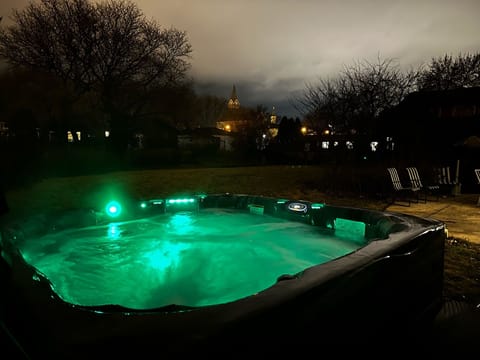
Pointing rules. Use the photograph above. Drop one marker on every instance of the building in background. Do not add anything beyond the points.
(236, 118)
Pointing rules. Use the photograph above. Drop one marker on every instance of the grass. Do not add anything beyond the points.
(462, 270)
(314, 183)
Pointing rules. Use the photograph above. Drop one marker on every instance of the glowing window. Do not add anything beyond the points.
(325, 144)
(390, 144)
(107, 133)
(79, 135)
(349, 145)
(69, 136)
(374, 146)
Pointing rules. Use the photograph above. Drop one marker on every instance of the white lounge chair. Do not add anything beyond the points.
(443, 179)
(416, 182)
(406, 192)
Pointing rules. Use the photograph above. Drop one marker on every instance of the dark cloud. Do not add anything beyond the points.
(271, 48)
(252, 93)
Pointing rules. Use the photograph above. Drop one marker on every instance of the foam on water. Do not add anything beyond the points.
(192, 258)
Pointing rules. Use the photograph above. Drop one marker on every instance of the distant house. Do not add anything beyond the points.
(205, 138)
(153, 133)
(235, 118)
(433, 121)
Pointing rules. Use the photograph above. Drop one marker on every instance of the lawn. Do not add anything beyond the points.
(318, 184)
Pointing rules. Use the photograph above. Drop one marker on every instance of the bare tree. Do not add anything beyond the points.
(108, 48)
(356, 98)
(446, 72)
(321, 104)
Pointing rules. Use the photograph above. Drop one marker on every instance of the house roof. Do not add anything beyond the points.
(445, 97)
(421, 103)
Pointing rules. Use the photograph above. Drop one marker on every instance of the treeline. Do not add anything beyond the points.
(76, 65)
(356, 99)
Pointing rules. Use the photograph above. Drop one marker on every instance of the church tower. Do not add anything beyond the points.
(235, 118)
(233, 102)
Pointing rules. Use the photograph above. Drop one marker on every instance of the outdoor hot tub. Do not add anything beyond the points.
(217, 272)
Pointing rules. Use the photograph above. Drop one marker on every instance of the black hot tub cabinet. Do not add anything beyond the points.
(388, 287)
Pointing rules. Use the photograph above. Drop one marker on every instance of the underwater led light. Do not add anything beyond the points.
(113, 209)
(182, 204)
(152, 205)
(152, 202)
(181, 201)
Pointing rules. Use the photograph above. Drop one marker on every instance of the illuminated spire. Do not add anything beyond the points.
(273, 116)
(233, 102)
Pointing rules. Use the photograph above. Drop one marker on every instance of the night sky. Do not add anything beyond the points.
(271, 48)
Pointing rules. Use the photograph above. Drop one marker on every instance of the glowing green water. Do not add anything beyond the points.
(193, 259)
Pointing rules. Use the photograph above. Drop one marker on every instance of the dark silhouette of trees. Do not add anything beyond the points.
(447, 72)
(289, 130)
(175, 105)
(108, 49)
(255, 133)
(47, 97)
(355, 99)
(209, 109)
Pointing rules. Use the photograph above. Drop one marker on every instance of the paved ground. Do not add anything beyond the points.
(457, 326)
(460, 213)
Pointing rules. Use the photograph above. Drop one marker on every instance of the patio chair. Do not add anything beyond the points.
(416, 182)
(399, 190)
(477, 174)
(443, 179)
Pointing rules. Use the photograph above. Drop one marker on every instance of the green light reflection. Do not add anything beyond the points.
(167, 256)
(113, 231)
(190, 258)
